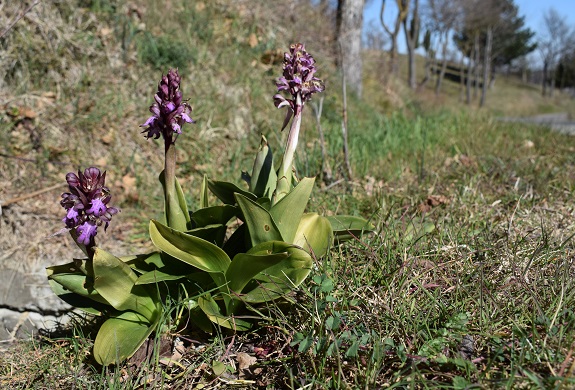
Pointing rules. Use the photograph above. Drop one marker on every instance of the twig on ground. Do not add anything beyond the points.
(17, 18)
(29, 195)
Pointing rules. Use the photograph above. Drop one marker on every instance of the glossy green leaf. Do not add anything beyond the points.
(288, 211)
(179, 217)
(236, 243)
(115, 281)
(282, 277)
(189, 249)
(417, 230)
(157, 276)
(225, 191)
(212, 311)
(263, 177)
(346, 227)
(314, 234)
(214, 215)
(201, 320)
(144, 262)
(121, 336)
(204, 193)
(245, 266)
(77, 301)
(260, 223)
(80, 284)
(212, 233)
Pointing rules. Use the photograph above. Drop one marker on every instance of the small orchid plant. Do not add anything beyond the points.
(255, 246)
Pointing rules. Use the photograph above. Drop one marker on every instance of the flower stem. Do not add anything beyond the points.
(286, 167)
(174, 214)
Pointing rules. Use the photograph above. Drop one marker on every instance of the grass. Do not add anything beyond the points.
(468, 283)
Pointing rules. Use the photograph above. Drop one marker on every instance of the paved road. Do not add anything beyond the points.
(560, 122)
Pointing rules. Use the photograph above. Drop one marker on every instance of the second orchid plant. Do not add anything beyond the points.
(268, 253)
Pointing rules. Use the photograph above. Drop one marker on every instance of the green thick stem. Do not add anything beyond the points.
(286, 167)
(174, 215)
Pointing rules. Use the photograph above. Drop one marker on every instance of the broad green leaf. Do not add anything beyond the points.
(178, 216)
(245, 266)
(120, 337)
(289, 210)
(77, 301)
(214, 215)
(157, 276)
(201, 320)
(282, 277)
(144, 262)
(225, 191)
(204, 193)
(115, 281)
(237, 242)
(260, 224)
(346, 227)
(212, 310)
(266, 203)
(218, 367)
(182, 202)
(80, 284)
(416, 230)
(263, 178)
(212, 233)
(314, 234)
(189, 249)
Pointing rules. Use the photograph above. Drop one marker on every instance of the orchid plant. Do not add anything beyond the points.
(270, 250)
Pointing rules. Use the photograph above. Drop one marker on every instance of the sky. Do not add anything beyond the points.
(533, 11)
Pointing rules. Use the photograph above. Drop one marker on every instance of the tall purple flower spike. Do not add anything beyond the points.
(169, 112)
(298, 78)
(87, 204)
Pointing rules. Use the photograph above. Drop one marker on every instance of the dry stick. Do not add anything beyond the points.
(325, 168)
(10, 25)
(30, 195)
(344, 129)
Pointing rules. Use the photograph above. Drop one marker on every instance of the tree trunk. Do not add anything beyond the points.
(461, 79)
(544, 76)
(443, 64)
(552, 83)
(402, 14)
(469, 74)
(350, 23)
(411, 37)
(486, 65)
(476, 66)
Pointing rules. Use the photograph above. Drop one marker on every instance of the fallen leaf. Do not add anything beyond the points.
(245, 360)
(108, 137)
(253, 40)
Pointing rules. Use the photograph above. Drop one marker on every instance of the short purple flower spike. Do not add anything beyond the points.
(169, 112)
(298, 79)
(87, 204)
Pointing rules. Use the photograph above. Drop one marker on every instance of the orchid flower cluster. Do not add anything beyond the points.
(87, 204)
(221, 275)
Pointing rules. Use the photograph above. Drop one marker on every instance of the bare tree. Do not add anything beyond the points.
(411, 38)
(442, 15)
(552, 45)
(349, 26)
(402, 6)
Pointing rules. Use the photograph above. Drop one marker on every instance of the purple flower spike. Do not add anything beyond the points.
(169, 112)
(87, 204)
(298, 79)
(86, 232)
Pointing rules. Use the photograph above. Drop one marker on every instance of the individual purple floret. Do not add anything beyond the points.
(87, 204)
(169, 112)
(298, 79)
